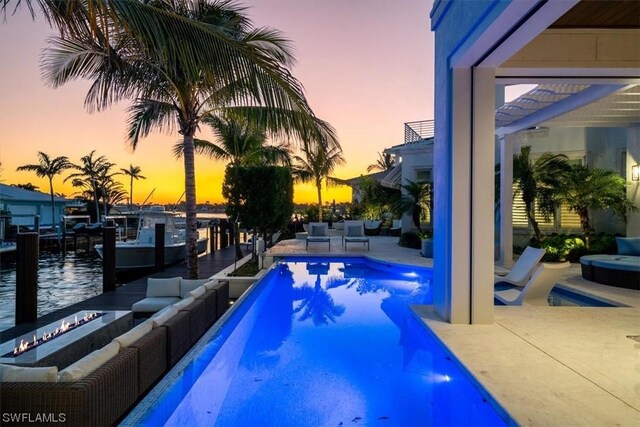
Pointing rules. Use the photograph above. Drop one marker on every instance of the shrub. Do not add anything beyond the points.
(411, 240)
(570, 247)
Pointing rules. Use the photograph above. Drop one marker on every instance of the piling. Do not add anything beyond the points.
(108, 259)
(213, 238)
(27, 255)
(159, 247)
(224, 238)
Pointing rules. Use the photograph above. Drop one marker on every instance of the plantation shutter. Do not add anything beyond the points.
(518, 211)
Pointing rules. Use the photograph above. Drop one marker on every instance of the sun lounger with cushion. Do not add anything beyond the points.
(318, 232)
(354, 232)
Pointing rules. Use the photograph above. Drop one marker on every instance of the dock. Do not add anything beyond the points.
(126, 295)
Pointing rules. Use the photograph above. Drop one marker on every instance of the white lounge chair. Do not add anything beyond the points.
(523, 268)
(354, 232)
(318, 232)
(537, 289)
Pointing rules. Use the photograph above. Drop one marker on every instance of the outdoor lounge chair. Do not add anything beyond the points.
(318, 232)
(523, 268)
(354, 232)
(537, 289)
(396, 227)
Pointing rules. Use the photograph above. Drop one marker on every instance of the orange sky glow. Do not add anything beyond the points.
(366, 65)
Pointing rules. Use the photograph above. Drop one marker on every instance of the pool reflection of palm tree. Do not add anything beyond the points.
(316, 304)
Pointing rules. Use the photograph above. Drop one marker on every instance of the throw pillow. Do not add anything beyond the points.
(19, 374)
(628, 245)
(317, 230)
(354, 231)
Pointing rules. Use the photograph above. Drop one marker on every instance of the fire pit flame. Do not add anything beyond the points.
(63, 328)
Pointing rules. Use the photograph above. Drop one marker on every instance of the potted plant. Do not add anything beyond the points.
(426, 237)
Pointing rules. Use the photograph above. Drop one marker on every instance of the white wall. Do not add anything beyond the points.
(633, 190)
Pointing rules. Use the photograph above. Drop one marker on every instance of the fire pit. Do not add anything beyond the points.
(64, 327)
(63, 342)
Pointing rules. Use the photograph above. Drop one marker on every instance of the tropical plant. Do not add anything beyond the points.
(586, 188)
(134, 172)
(537, 184)
(239, 144)
(213, 61)
(384, 162)
(91, 176)
(266, 207)
(417, 195)
(317, 162)
(48, 167)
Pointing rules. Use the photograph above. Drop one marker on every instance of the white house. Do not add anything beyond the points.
(24, 205)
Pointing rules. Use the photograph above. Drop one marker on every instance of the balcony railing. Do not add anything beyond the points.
(418, 131)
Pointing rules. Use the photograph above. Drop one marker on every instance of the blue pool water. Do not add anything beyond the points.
(325, 343)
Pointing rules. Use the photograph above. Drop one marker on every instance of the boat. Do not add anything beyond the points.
(140, 253)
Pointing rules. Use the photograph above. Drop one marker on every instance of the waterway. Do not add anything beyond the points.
(63, 279)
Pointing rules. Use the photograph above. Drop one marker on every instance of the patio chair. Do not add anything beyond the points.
(396, 227)
(372, 227)
(318, 232)
(354, 232)
(523, 268)
(537, 289)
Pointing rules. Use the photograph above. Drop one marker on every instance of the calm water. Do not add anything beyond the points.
(325, 343)
(62, 280)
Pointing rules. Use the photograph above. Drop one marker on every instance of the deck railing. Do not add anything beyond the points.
(418, 131)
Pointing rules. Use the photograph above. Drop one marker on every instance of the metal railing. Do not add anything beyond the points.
(418, 131)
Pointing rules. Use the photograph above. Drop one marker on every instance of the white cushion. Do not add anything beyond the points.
(163, 287)
(20, 374)
(184, 303)
(161, 317)
(128, 338)
(89, 363)
(198, 292)
(211, 285)
(151, 305)
(188, 285)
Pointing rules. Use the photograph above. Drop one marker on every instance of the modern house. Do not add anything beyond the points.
(586, 54)
(24, 205)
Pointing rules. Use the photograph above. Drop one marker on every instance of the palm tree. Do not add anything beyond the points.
(28, 186)
(586, 188)
(48, 167)
(537, 183)
(417, 195)
(91, 173)
(317, 162)
(384, 162)
(225, 65)
(134, 172)
(239, 144)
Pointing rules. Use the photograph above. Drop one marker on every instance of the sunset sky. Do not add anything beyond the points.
(366, 65)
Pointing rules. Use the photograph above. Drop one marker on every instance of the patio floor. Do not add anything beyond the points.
(545, 365)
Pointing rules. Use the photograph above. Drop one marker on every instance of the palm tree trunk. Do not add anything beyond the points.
(319, 187)
(95, 200)
(586, 225)
(131, 193)
(236, 241)
(536, 228)
(53, 212)
(190, 193)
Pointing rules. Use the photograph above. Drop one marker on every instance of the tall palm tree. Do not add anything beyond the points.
(384, 162)
(28, 186)
(48, 167)
(586, 188)
(317, 162)
(91, 173)
(537, 183)
(226, 65)
(134, 172)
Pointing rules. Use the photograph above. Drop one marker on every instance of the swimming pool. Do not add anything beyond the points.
(330, 342)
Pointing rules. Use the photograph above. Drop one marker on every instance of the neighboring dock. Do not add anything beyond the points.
(124, 296)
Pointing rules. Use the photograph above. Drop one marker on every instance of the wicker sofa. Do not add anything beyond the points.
(100, 388)
(621, 270)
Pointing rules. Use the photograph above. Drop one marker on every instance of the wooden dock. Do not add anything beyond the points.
(124, 296)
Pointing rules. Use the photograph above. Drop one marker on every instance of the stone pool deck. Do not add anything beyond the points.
(544, 365)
